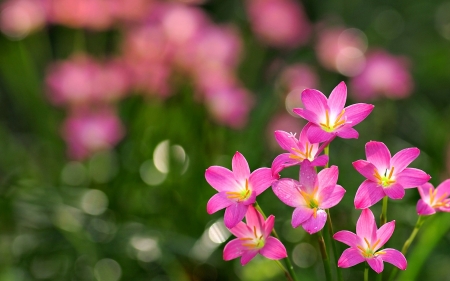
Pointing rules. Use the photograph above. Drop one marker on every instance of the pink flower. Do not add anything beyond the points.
(89, 132)
(253, 238)
(329, 117)
(434, 200)
(365, 244)
(342, 50)
(20, 17)
(237, 189)
(386, 176)
(279, 23)
(299, 150)
(311, 196)
(383, 74)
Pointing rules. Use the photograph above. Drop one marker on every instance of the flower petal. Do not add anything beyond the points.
(394, 191)
(411, 177)
(248, 256)
(307, 115)
(315, 224)
(443, 189)
(350, 257)
(394, 257)
(314, 101)
(233, 249)
(308, 176)
(286, 190)
(378, 154)
(424, 191)
(254, 219)
(331, 196)
(286, 140)
(260, 180)
(366, 169)
(240, 167)
(273, 249)
(337, 99)
(316, 134)
(404, 157)
(268, 226)
(347, 237)
(300, 215)
(221, 179)
(376, 263)
(218, 202)
(241, 230)
(384, 233)
(328, 177)
(368, 194)
(322, 160)
(234, 214)
(357, 112)
(423, 209)
(282, 161)
(366, 226)
(347, 132)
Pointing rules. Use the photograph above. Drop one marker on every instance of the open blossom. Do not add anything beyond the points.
(254, 237)
(386, 175)
(311, 196)
(237, 189)
(298, 150)
(365, 245)
(329, 117)
(434, 200)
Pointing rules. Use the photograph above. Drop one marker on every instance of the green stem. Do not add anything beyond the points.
(366, 272)
(290, 274)
(286, 273)
(333, 245)
(409, 241)
(383, 217)
(325, 258)
(327, 152)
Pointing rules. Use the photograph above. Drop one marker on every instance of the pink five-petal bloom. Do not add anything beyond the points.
(386, 176)
(237, 189)
(298, 150)
(253, 238)
(365, 244)
(434, 200)
(329, 117)
(311, 196)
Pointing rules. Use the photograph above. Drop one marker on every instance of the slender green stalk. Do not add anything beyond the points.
(286, 273)
(325, 258)
(366, 272)
(290, 273)
(383, 217)
(327, 152)
(409, 241)
(333, 245)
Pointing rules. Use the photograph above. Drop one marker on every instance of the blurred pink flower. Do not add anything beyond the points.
(341, 50)
(230, 106)
(130, 10)
(86, 132)
(282, 121)
(93, 14)
(279, 23)
(82, 80)
(295, 78)
(384, 74)
(20, 17)
(433, 200)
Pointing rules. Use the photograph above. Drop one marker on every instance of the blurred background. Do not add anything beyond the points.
(111, 110)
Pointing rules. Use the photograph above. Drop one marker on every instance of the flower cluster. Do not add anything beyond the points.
(316, 192)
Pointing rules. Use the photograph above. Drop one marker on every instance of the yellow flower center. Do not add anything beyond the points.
(302, 155)
(386, 179)
(311, 200)
(331, 126)
(439, 202)
(255, 242)
(241, 195)
(369, 252)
